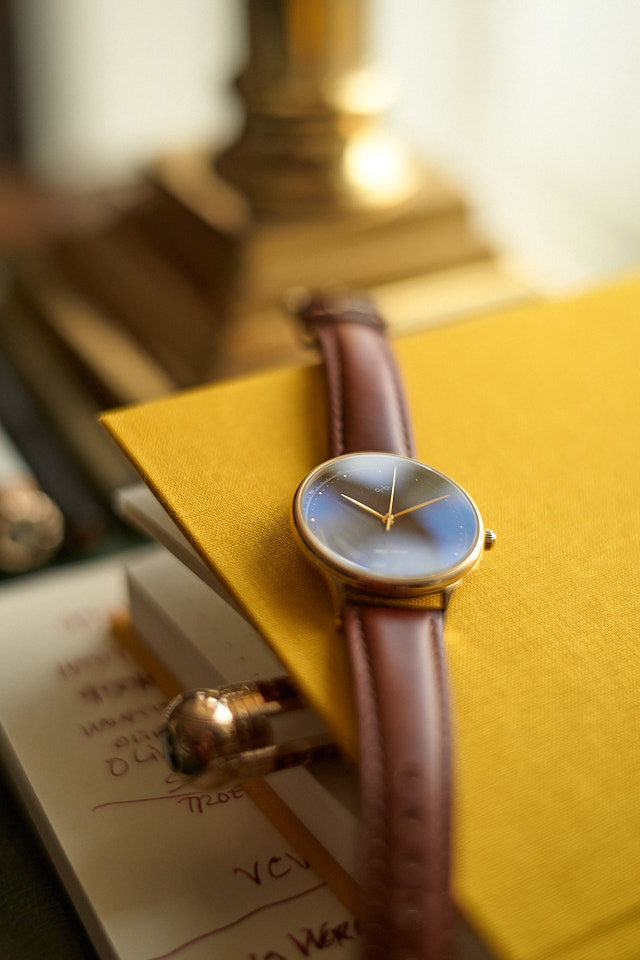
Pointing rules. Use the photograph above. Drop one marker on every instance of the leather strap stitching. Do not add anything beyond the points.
(443, 856)
(342, 332)
(335, 373)
(373, 799)
(333, 325)
(390, 845)
(400, 401)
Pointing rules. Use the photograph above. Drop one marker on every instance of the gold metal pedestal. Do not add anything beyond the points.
(189, 283)
(314, 141)
(429, 231)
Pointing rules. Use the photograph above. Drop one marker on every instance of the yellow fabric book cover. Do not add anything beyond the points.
(535, 412)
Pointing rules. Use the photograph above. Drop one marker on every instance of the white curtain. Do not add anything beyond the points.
(107, 84)
(532, 105)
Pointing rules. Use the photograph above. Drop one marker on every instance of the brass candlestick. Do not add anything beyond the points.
(315, 192)
(313, 143)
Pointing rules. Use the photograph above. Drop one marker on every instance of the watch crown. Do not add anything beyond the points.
(489, 539)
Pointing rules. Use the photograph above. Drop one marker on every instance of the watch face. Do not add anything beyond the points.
(387, 523)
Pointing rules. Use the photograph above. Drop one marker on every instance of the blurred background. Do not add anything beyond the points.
(169, 170)
(120, 284)
(530, 105)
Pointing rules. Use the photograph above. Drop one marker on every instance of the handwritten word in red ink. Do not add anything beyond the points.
(325, 937)
(274, 869)
(140, 736)
(126, 718)
(177, 784)
(199, 802)
(194, 801)
(321, 937)
(70, 669)
(116, 687)
(309, 941)
(118, 766)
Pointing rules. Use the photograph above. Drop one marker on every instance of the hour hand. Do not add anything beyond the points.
(363, 506)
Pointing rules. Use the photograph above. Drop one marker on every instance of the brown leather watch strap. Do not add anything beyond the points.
(398, 663)
(367, 406)
(399, 671)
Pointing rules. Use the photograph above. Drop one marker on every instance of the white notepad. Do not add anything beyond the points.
(155, 870)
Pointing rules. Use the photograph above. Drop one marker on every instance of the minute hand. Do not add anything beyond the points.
(426, 503)
(363, 506)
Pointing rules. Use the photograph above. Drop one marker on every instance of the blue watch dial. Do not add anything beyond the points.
(388, 521)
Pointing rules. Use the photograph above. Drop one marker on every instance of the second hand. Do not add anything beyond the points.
(388, 520)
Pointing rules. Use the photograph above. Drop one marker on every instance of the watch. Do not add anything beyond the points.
(384, 528)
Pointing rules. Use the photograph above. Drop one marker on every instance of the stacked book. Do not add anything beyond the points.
(534, 412)
(184, 627)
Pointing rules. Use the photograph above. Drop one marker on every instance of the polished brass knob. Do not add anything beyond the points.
(239, 731)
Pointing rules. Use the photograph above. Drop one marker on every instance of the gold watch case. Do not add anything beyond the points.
(388, 525)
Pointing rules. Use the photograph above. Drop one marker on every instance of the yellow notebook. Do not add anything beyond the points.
(536, 413)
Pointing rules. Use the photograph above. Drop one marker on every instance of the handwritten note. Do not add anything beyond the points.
(156, 870)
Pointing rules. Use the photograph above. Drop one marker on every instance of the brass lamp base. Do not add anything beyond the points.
(199, 281)
(430, 231)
